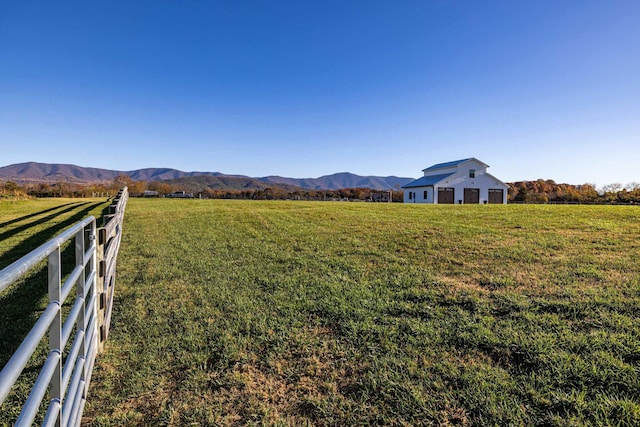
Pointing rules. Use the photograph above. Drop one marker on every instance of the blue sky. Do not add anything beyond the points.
(536, 89)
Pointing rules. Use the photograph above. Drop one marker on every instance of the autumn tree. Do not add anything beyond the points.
(120, 181)
(160, 187)
(136, 188)
(10, 187)
(588, 193)
(610, 191)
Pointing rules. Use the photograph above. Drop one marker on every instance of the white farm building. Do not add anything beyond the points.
(460, 181)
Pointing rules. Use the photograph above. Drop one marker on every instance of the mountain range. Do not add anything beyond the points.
(33, 172)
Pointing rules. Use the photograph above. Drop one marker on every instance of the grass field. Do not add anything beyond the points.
(294, 313)
(238, 312)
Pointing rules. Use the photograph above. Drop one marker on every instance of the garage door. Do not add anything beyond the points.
(496, 195)
(472, 195)
(445, 195)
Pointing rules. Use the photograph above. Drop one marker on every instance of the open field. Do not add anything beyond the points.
(289, 313)
(339, 314)
(25, 225)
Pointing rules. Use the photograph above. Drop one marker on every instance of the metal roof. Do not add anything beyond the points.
(447, 164)
(427, 180)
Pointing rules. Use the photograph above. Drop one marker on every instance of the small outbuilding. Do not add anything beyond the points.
(460, 181)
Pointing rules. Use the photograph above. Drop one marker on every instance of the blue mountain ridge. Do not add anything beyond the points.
(44, 172)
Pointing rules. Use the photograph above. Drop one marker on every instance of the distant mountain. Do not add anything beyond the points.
(196, 184)
(32, 172)
(45, 172)
(162, 174)
(342, 180)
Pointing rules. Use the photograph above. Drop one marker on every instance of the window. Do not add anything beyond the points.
(410, 193)
(472, 173)
(425, 195)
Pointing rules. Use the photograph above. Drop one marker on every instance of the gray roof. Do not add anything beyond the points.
(427, 180)
(452, 164)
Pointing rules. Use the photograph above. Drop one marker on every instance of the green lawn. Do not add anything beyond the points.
(294, 313)
(289, 313)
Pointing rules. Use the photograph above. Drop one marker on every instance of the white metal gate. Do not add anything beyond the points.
(66, 372)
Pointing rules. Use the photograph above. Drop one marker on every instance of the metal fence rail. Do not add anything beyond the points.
(109, 240)
(66, 376)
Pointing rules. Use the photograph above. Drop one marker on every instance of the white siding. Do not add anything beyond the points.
(483, 182)
(458, 181)
(418, 195)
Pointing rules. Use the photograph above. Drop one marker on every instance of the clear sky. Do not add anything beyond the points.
(536, 89)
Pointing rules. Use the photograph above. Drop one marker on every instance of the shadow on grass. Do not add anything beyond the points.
(22, 303)
(37, 239)
(31, 215)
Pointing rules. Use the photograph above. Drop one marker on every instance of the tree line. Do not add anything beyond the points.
(539, 191)
(548, 191)
(162, 188)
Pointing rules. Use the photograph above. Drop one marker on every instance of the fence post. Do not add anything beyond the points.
(81, 322)
(100, 295)
(55, 330)
(109, 234)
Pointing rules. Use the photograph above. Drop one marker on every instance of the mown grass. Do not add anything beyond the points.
(289, 313)
(25, 225)
(294, 313)
(276, 313)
